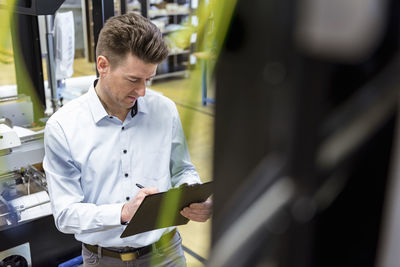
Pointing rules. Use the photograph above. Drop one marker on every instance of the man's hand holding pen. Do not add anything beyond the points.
(129, 209)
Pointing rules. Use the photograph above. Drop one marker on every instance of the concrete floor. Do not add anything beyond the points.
(198, 126)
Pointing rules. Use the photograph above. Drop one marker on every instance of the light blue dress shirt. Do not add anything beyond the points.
(93, 161)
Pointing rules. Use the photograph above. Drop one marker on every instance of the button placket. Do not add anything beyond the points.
(125, 167)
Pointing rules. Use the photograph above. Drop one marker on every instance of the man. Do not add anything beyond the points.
(100, 145)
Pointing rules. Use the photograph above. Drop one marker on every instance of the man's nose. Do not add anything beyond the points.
(141, 90)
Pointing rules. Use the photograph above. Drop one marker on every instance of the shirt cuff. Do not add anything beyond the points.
(111, 214)
(192, 179)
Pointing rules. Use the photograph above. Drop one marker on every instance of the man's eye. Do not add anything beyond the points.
(132, 81)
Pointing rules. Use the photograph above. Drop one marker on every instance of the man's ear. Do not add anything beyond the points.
(103, 65)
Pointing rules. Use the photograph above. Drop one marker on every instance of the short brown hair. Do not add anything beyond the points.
(131, 33)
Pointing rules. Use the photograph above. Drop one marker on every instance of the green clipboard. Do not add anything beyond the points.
(162, 210)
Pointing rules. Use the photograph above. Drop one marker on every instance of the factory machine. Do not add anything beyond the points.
(28, 236)
(27, 231)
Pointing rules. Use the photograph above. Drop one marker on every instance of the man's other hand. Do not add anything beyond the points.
(198, 212)
(129, 209)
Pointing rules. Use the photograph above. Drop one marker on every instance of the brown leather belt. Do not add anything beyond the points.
(129, 253)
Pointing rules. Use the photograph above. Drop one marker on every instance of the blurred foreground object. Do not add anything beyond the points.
(306, 105)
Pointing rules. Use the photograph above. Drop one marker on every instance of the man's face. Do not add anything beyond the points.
(123, 84)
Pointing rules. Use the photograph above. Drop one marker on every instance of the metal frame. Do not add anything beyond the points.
(145, 6)
(28, 57)
(204, 98)
(37, 7)
(26, 46)
(102, 10)
(123, 6)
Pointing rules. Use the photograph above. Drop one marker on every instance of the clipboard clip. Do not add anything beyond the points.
(183, 185)
(187, 185)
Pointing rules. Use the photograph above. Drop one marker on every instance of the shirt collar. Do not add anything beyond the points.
(142, 104)
(98, 110)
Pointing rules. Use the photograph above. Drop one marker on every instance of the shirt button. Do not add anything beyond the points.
(126, 175)
(111, 117)
(127, 198)
(123, 128)
(125, 151)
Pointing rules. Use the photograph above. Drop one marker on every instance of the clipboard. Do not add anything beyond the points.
(162, 210)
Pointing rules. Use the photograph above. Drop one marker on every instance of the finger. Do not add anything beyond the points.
(203, 205)
(149, 190)
(197, 211)
(140, 195)
(199, 206)
(196, 218)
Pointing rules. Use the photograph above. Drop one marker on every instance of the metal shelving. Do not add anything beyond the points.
(171, 74)
(152, 16)
(179, 53)
(174, 12)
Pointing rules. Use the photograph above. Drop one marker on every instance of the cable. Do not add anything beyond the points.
(194, 254)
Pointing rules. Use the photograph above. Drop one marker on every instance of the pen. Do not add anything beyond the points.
(140, 186)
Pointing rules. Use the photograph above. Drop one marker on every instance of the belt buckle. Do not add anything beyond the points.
(128, 256)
